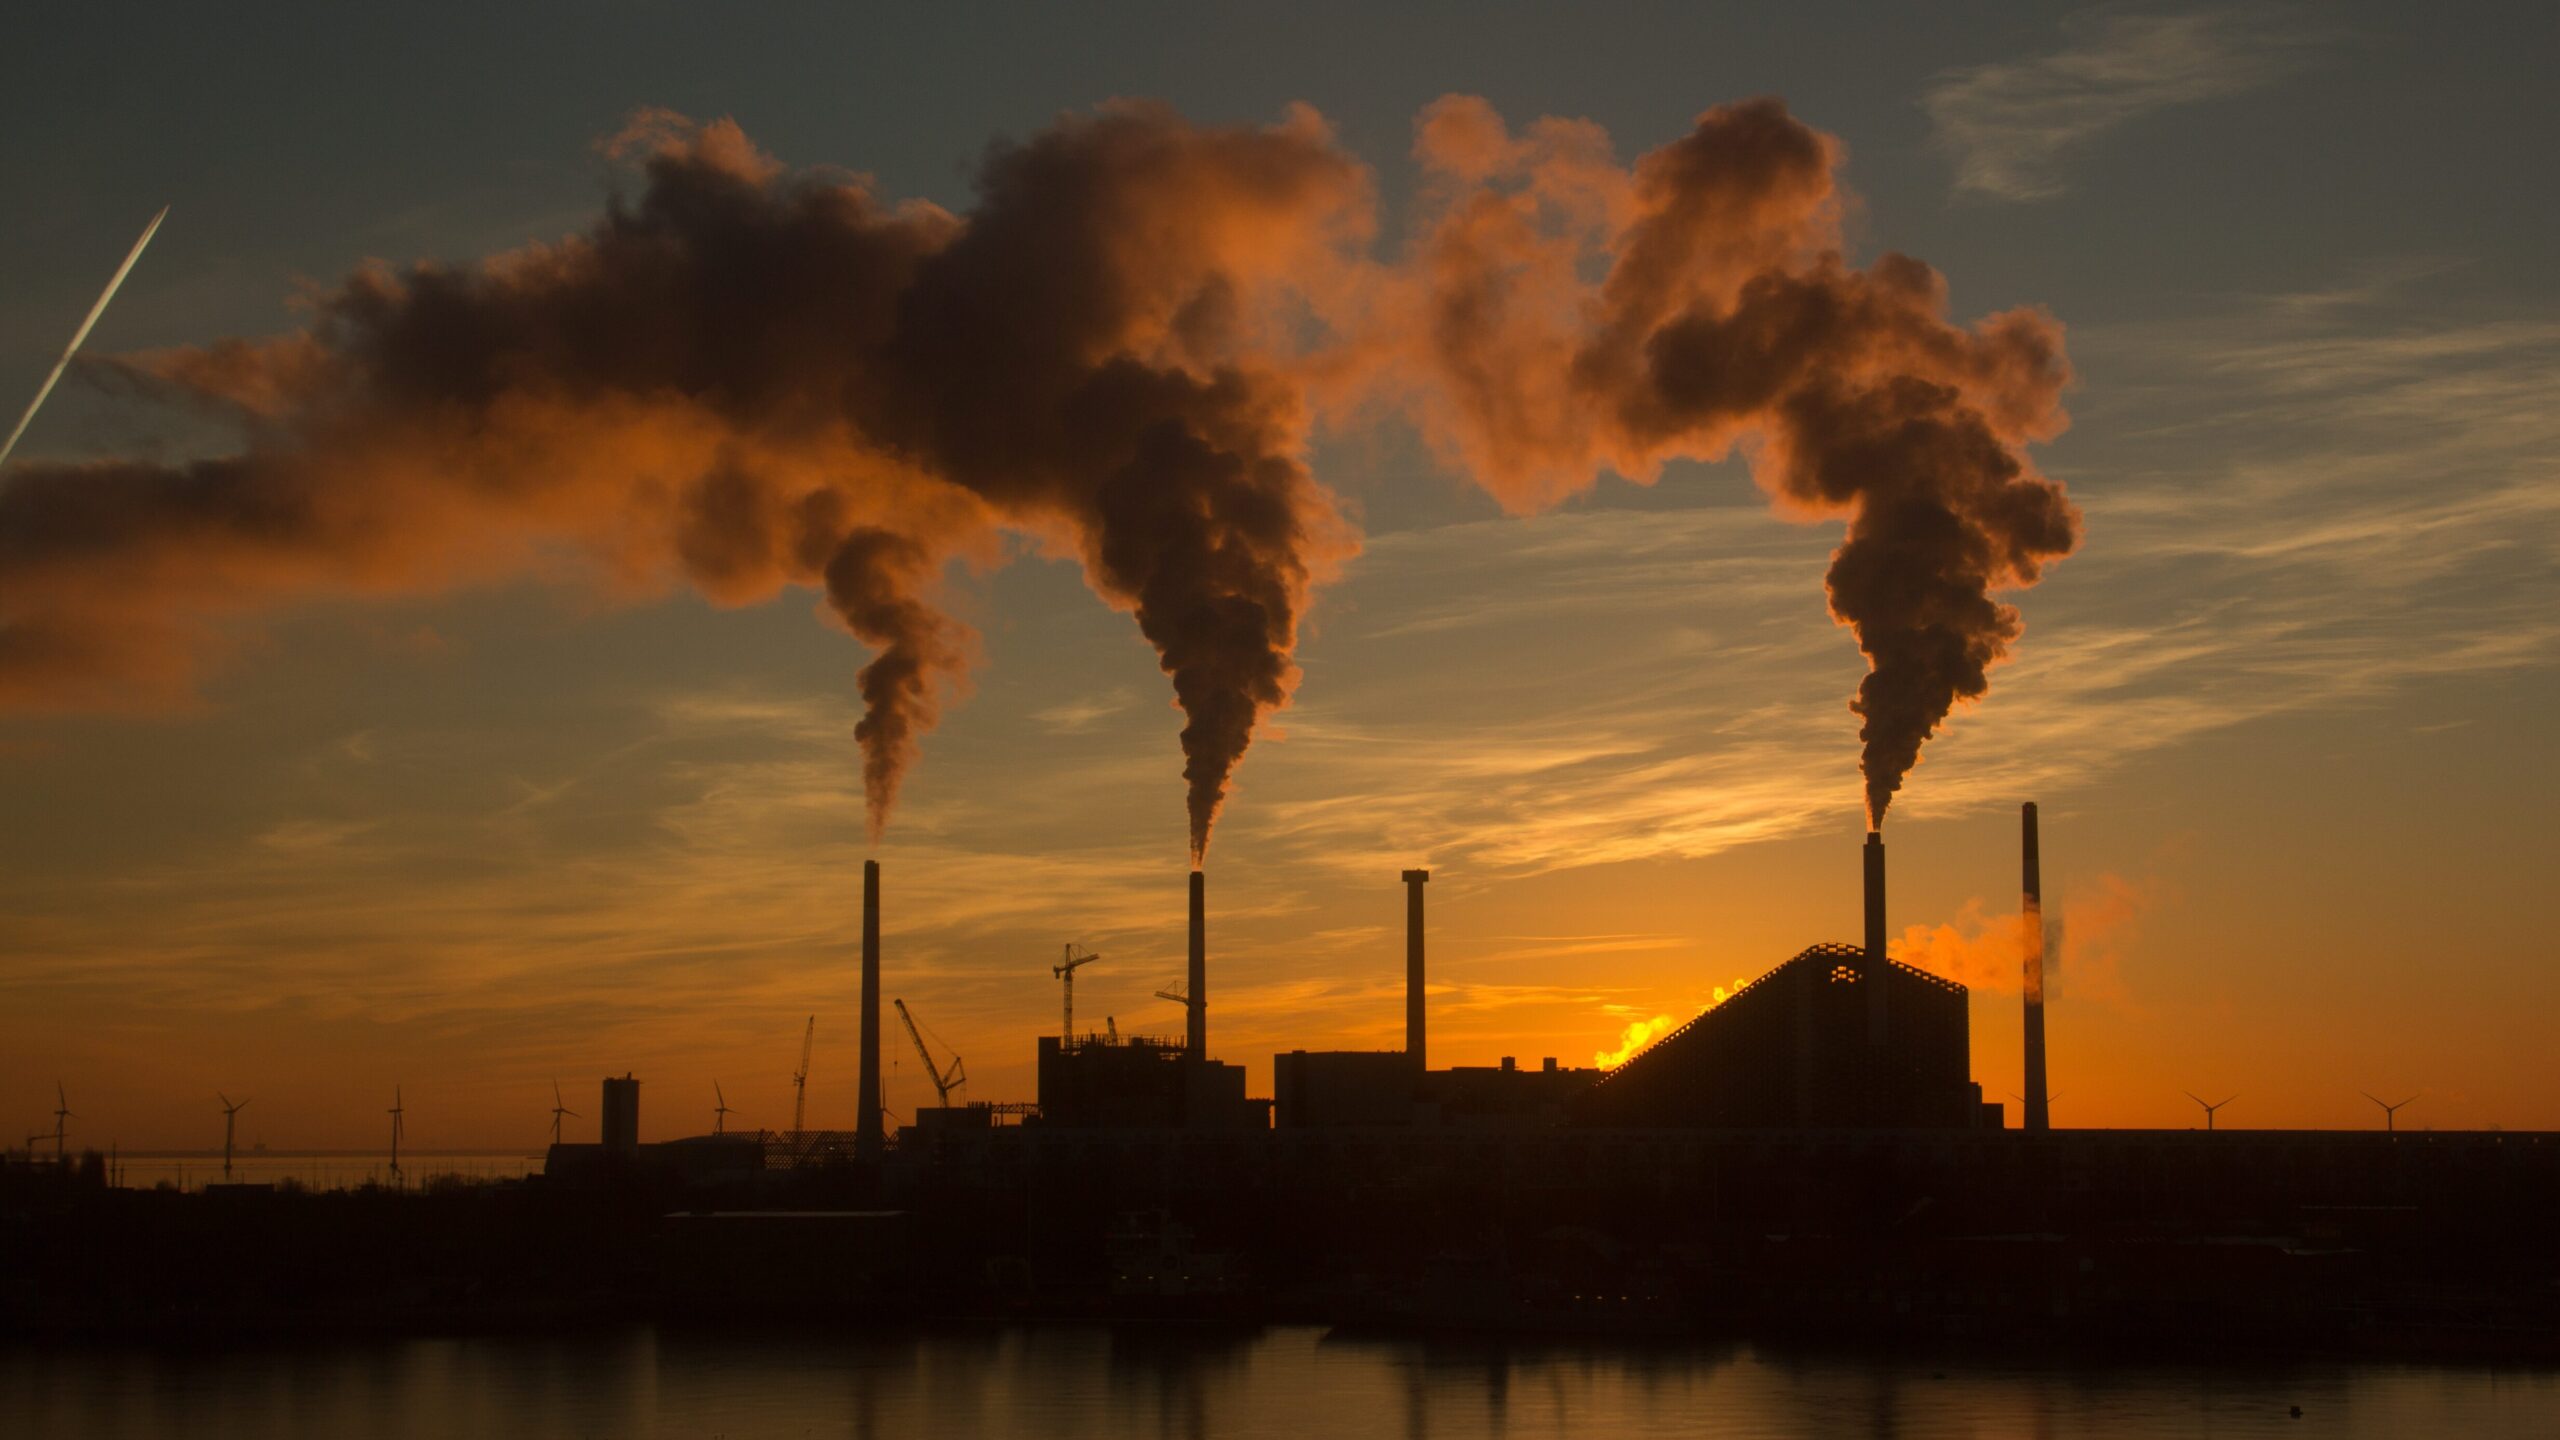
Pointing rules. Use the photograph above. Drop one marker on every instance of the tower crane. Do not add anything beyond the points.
(800, 1083)
(1065, 970)
(944, 1081)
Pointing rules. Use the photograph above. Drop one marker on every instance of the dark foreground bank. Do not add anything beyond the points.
(2266, 1243)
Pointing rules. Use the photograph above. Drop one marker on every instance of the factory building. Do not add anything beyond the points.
(1139, 1082)
(1839, 1036)
(1792, 1049)
(1329, 1088)
(1134, 1081)
(1332, 1089)
(1335, 1089)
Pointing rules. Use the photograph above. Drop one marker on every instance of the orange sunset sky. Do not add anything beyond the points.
(477, 809)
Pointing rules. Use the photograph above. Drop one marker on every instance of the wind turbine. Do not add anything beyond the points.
(559, 1108)
(397, 1125)
(61, 1113)
(2048, 1100)
(800, 1084)
(230, 1119)
(2209, 1109)
(719, 1112)
(2390, 1112)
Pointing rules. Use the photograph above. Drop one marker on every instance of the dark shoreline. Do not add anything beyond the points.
(2433, 1249)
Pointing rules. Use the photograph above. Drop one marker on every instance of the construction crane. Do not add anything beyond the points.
(944, 1081)
(1177, 997)
(800, 1083)
(1065, 970)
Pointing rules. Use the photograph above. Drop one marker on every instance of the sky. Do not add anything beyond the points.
(2285, 710)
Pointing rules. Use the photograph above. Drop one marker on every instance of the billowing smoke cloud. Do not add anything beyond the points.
(748, 379)
(1106, 349)
(1569, 317)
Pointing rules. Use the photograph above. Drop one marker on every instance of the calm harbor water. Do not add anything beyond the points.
(1065, 1382)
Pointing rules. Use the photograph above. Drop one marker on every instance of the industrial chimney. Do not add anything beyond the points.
(866, 1134)
(1414, 880)
(2032, 864)
(1196, 1042)
(1877, 966)
(619, 1118)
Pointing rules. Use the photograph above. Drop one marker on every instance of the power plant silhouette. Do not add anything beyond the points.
(1839, 1036)
(1809, 1156)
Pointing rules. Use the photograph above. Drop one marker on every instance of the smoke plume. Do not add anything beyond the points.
(2085, 936)
(872, 579)
(747, 379)
(1569, 317)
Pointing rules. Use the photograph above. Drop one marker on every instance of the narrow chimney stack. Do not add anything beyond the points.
(1414, 1054)
(866, 1135)
(2038, 1117)
(1876, 966)
(1196, 1042)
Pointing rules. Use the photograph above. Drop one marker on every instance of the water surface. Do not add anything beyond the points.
(1066, 1382)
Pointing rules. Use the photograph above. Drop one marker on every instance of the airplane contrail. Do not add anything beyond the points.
(82, 334)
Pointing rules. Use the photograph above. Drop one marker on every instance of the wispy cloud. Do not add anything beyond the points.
(1083, 713)
(2294, 507)
(2012, 123)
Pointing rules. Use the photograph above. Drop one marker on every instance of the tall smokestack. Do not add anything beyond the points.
(1414, 880)
(1196, 1043)
(1876, 963)
(866, 1134)
(2032, 865)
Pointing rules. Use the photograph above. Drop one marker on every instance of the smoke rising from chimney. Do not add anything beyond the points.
(1724, 315)
(749, 378)
(745, 378)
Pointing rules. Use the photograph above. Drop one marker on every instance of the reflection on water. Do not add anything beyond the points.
(1065, 1382)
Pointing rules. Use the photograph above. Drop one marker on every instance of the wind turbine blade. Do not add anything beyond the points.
(86, 324)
